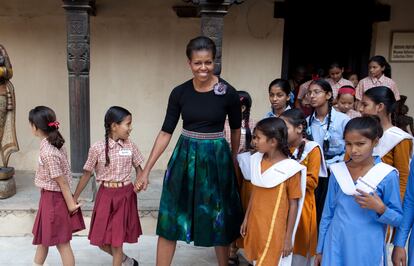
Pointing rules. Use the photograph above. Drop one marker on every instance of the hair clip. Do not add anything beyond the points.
(315, 77)
(241, 98)
(54, 124)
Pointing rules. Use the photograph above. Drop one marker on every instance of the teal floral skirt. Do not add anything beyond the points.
(200, 201)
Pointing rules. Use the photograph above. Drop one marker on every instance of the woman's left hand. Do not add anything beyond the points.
(287, 247)
(141, 182)
(370, 201)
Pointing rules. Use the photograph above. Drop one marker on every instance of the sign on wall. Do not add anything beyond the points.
(402, 47)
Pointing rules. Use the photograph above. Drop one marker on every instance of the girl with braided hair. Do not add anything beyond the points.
(309, 154)
(277, 196)
(115, 214)
(245, 148)
(246, 123)
(326, 127)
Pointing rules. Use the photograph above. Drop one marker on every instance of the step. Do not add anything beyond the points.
(18, 212)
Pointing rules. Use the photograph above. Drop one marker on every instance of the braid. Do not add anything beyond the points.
(107, 130)
(246, 118)
(285, 149)
(301, 148)
(326, 140)
(308, 130)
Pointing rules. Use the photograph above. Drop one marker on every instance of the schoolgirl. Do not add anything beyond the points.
(59, 215)
(345, 101)
(379, 75)
(243, 157)
(395, 146)
(115, 215)
(279, 97)
(326, 127)
(309, 154)
(277, 197)
(399, 256)
(363, 198)
(336, 79)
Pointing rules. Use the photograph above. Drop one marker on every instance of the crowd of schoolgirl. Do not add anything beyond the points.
(324, 178)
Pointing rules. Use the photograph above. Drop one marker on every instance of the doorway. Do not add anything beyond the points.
(318, 32)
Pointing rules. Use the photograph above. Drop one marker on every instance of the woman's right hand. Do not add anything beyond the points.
(399, 256)
(243, 228)
(318, 259)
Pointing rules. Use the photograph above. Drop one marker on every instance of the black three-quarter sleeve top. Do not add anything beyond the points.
(203, 112)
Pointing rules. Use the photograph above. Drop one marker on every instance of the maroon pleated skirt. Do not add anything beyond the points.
(115, 217)
(53, 224)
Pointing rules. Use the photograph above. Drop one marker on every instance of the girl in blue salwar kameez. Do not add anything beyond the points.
(399, 255)
(363, 199)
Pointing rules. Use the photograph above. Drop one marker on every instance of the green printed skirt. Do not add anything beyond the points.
(200, 201)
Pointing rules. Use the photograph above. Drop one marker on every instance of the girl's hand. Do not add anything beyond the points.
(399, 256)
(73, 208)
(287, 247)
(141, 182)
(318, 259)
(370, 201)
(75, 199)
(243, 228)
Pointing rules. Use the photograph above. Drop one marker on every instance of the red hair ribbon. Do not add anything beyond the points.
(347, 90)
(54, 124)
(315, 77)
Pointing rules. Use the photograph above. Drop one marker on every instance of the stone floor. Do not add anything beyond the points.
(18, 212)
(19, 251)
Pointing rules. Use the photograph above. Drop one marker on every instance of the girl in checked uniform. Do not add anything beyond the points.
(115, 214)
(59, 214)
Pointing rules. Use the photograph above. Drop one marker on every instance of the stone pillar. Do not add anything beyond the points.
(212, 14)
(78, 62)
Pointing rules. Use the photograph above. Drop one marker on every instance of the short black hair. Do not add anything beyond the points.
(200, 43)
(368, 126)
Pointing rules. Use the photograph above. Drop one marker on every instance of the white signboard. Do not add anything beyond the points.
(402, 47)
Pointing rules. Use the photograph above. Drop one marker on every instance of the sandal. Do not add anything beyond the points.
(234, 260)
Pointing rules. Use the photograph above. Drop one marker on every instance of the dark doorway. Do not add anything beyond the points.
(319, 32)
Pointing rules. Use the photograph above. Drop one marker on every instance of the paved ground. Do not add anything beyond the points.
(17, 216)
(19, 251)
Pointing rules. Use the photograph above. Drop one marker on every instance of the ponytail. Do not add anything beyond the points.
(44, 119)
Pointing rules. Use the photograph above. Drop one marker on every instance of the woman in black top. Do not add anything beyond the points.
(199, 200)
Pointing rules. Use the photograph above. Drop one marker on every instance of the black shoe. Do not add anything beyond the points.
(135, 262)
(234, 260)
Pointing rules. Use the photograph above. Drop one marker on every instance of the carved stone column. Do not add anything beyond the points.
(78, 62)
(212, 21)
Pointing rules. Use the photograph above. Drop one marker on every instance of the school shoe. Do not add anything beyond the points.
(130, 262)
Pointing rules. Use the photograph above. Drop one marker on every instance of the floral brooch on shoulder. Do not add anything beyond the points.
(220, 88)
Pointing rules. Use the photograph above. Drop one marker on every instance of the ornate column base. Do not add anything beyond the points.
(7, 182)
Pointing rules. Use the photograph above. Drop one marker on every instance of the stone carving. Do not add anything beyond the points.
(8, 138)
